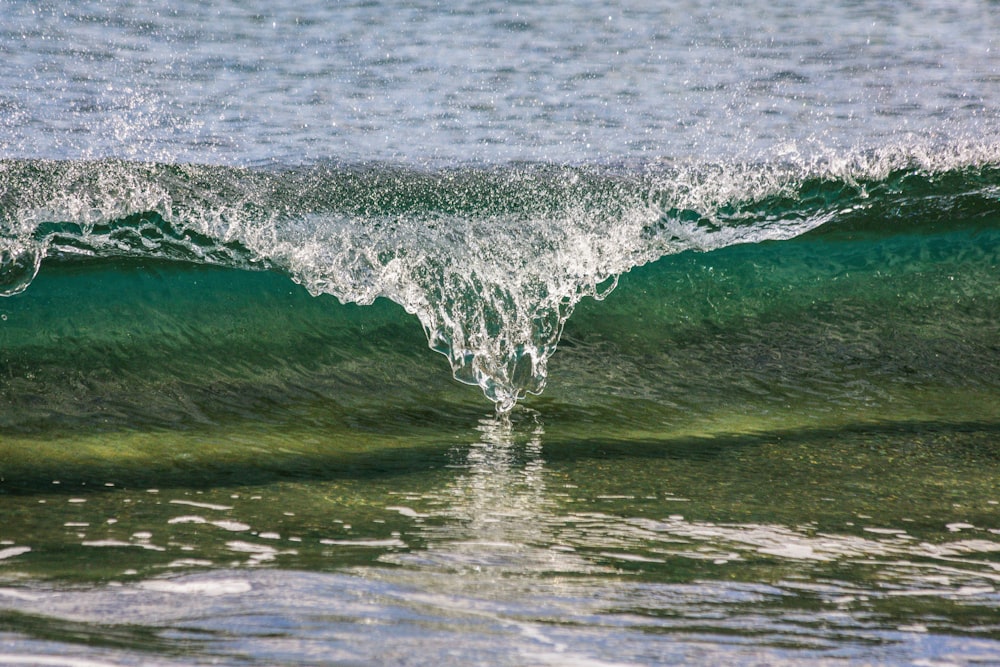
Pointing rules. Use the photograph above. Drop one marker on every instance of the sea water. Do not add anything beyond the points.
(494, 333)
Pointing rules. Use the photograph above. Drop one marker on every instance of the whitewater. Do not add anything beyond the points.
(445, 334)
(492, 261)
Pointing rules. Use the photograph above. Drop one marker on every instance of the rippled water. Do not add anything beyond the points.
(422, 81)
(229, 232)
(529, 545)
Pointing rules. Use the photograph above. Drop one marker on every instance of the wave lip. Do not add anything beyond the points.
(492, 261)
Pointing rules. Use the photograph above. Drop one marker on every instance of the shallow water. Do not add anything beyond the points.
(865, 543)
(767, 504)
(724, 282)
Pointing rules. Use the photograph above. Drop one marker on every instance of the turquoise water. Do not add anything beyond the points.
(575, 335)
(782, 449)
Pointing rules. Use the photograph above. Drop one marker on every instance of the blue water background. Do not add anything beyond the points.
(433, 82)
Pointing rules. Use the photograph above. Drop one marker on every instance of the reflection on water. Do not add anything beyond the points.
(504, 540)
(510, 549)
(500, 515)
(496, 516)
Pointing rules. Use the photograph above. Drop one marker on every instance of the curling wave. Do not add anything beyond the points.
(491, 260)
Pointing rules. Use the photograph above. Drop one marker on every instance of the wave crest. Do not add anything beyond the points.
(491, 260)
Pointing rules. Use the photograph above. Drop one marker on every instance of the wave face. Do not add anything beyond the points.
(491, 260)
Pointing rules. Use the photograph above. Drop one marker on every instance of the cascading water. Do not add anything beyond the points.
(491, 261)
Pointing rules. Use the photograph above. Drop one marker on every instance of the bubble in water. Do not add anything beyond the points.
(19, 264)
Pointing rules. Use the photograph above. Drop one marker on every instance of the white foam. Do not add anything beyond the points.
(884, 531)
(232, 526)
(364, 543)
(406, 511)
(11, 552)
(208, 588)
(225, 524)
(491, 284)
(190, 562)
(20, 595)
(633, 558)
(206, 506)
(249, 547)
(51, 661)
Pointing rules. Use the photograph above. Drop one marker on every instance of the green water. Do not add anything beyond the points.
(775, 442)
(787, 449)
(833, 539)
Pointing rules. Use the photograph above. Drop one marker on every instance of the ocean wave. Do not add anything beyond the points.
(491, 260)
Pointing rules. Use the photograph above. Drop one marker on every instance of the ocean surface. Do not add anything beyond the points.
(501, 333)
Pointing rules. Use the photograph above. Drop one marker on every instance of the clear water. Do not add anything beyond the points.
(234, 236)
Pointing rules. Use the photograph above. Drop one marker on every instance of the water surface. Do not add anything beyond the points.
(370, 333)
